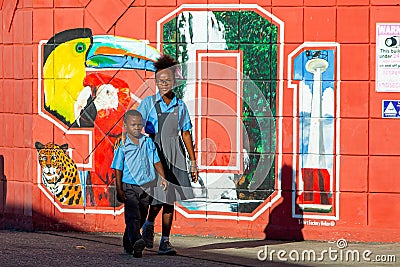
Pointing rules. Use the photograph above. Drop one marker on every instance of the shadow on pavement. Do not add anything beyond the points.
(234, 253)
(239, 244)
(231, 253)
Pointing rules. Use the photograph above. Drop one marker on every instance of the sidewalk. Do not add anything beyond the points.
(89, 249)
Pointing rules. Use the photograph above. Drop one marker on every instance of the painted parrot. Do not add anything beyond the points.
(95, 100)
(107, 126)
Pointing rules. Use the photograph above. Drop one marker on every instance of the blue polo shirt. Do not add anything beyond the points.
(136, 161)
(150, 119)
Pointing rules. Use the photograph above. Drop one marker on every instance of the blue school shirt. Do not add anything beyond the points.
(136, 161)
(150, 119)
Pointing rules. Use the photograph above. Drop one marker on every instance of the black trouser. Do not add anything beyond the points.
(136, 210)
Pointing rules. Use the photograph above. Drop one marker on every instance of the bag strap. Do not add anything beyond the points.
(157, 105)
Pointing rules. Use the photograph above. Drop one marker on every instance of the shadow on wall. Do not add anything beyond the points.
(3, 186)
(14, 218)
(281, 224)
(37, 222)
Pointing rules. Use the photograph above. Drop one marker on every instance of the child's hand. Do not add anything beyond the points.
(195, 176)
(164, 184)
(121, 197)
(194, 171)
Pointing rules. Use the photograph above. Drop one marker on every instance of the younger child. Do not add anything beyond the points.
(134, 163)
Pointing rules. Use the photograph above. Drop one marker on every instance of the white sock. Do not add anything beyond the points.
(164, 239)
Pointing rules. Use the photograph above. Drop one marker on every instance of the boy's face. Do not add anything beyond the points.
(133, 126)
(165, 81)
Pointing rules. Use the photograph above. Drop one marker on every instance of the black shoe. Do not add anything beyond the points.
(166, 249)
(148, 235)
(138, 248)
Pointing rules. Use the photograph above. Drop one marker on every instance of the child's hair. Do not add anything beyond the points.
(165, 62)
(133, 113)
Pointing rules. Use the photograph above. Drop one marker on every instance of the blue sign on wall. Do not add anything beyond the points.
(390, 108)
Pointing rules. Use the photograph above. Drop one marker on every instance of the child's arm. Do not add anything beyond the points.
(118, 182)
(187, 139)
(159, 168)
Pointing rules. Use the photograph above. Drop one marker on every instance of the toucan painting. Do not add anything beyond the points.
(65, 59)
(92, 100)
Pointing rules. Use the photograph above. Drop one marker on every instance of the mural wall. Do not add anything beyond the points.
(290, 134)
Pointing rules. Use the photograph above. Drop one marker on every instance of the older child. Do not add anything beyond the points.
(168, 124)
(134, 163)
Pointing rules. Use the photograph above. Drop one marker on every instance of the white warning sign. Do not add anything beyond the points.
(387, 57)
(390, 108)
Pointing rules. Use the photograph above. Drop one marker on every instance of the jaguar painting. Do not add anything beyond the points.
(59, 173)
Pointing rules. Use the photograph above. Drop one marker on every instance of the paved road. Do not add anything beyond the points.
(88, 249)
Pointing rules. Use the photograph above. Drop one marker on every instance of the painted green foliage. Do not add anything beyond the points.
(257, 38)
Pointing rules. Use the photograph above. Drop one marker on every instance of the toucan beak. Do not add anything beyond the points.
(115, 52)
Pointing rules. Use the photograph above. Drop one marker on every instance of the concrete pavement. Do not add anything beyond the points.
(91, 249)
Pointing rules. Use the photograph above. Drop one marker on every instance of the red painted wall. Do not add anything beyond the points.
(368, 190)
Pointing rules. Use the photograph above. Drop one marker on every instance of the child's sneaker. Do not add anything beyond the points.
(138, 248)
(148, 235)
(166, 249)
